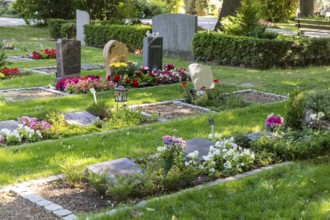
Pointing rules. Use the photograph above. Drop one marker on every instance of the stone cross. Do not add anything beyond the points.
(114, 51)
(201, 76)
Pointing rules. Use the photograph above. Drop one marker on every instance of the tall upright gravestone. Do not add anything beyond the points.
(114, 51)
(68, 58)
(153, 52)
(177, 31)
(82, 18)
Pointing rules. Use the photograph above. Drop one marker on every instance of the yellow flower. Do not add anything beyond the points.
(118, 64)
(2, 76)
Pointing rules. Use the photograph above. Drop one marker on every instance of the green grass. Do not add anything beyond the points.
(296, 191)
(293, 192)
(44, 158)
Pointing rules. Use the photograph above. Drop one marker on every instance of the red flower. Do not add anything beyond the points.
(184, 84)
(127, 81)
(135, 83)
(116, 78)
(108, 78)
(216, 81)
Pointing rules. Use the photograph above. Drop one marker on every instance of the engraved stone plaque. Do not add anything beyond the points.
(80, 118)
(68, 62)
(122, 167)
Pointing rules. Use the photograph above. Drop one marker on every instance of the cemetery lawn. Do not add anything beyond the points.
(296, 191)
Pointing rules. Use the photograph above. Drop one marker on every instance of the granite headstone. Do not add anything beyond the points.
(201, 76)
(82, 18)
(202, 145)
(10, 125)
(121, 167)
(177, 31)
(114, 51)
(68, 62)
(80, 118)
(153, 52)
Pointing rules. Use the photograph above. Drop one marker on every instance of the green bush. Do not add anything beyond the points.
(131, 35)
(156, 7)
(319, 101)
(2, 57)
(68, 30)
(100, 110)
(260, 53)
(278, 10)
(55, 26)
(295, 110)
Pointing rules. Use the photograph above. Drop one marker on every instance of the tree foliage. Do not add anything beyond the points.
(278, 10)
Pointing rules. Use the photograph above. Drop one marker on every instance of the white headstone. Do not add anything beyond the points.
(327, 15)
(82, 18)
(201, 76)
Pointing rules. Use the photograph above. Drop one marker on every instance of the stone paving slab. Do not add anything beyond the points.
(80, 118)
(70, 217)
(52, 207)
(62, 213)
(9, 124)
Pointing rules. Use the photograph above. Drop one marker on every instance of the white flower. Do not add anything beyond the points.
(193, 154)
(320, 115)
(186, 163)
(212, 170)
(313, 117)
(228, 165)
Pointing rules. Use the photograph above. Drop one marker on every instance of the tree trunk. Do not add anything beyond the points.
(306, 8)
(229, 8)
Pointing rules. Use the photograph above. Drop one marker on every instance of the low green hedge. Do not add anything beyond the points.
(260, 53)
(131, 35)
(60, 28)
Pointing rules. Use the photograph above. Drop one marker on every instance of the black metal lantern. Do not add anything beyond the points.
(120, 94)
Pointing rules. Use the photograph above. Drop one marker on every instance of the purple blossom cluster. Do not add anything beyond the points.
(273, 121)
(172, 140)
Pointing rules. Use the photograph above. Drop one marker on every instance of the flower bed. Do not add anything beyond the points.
(44, 54)
(6, 72)
(124, 74)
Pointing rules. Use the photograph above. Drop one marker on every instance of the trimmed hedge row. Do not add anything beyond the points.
(260, 53)
(131, 35)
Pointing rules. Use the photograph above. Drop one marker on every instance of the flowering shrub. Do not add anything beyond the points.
(83, 84)
(23, 133)
(173, 147)
(9, 72)
(44, 54)
(273, 121)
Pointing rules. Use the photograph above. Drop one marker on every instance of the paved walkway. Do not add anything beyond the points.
(11, 21)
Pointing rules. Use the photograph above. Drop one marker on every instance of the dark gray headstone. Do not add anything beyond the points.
(80, 118)
(122, 167)
(68, 62)
(202, 145)
(10, 125)
(153, 52)
(178, 31)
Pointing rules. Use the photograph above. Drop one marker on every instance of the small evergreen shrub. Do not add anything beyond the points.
(319, 101)
(100, 110)
(131, 35)
(3, 57)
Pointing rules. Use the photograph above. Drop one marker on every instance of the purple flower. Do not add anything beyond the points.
(167, 139)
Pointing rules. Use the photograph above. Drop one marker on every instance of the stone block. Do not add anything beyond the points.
(52, 207)
(70, 217)
(122, 167)
(62, 212)
(31, 197)
(201, 76)
(82, 18)
(10, 125)
(80, 118)
(202, 145)
(44, 202)
(178, 31)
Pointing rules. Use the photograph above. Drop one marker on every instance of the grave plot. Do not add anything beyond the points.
(254, 96)
(170, 109)
(29, 93)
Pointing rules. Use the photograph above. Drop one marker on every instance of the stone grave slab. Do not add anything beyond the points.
(80, 118)
(114, 51)
(201, 76)
(91, 66)
(82, 18)
(10, 125)
(122, 167)
(153, 52)
(178, 31)
(68, 62)
(202, 145)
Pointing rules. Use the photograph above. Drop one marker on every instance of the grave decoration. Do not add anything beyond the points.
(9, 45)
(84, 84)
(6, 72)
(126, 75)
(44, 54)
